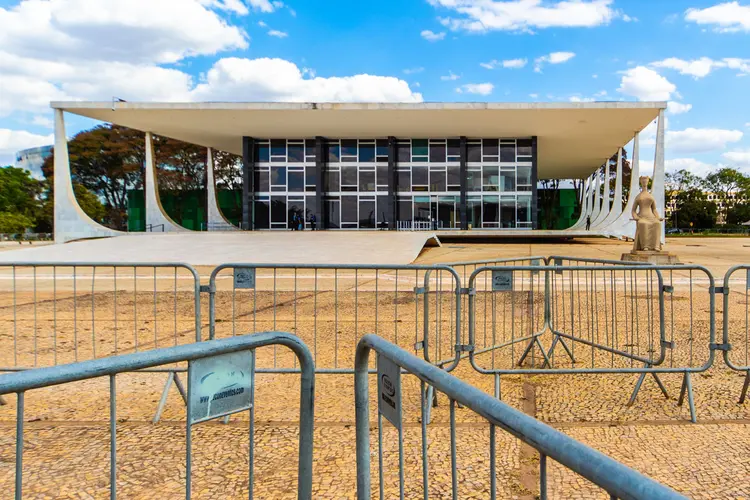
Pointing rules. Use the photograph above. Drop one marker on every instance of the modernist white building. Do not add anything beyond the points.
(442, 166)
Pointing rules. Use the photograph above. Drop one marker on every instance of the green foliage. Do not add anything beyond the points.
(692, 206)
(739, 213)
(19, 192)
(13, 222)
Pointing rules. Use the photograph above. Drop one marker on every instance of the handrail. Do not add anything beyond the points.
(619, 480)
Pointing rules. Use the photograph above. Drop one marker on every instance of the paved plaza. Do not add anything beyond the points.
(66, 439)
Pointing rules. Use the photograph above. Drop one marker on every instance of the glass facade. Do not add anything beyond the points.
(427, 175)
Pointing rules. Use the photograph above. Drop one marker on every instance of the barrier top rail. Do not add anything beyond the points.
(619, 480)
(44, 377)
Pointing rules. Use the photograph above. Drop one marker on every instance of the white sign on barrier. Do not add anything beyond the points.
(502, 281)
(220, 385)
(244, 278)
(389, 390)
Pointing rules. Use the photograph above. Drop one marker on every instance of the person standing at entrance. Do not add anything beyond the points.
(312, 222)
(588, 222)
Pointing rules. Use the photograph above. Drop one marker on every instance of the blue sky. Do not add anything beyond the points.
(693, 53)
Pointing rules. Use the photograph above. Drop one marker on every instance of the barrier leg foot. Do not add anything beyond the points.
(681, 399)
(637, 388)
(567, 349)
(691, 403)
(526, 352)
(661, 385)
(552, 347)
(3, 402)
(745, 386)
(544, 353)
(180, 387)
(164, 394)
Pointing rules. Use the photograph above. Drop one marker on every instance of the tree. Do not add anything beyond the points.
(739, 213)
(726, 182)
(88, 201)
(228, 170)
(11, 222)
(19, 193)
(692, 206)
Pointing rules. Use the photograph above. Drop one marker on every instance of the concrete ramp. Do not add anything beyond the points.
(213, 248)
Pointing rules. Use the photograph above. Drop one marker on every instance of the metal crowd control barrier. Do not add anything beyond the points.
(229, 361)
(54, 313)
(331, 306)
(736, 292)
(618, 480)
(629, 319)
(57, 313)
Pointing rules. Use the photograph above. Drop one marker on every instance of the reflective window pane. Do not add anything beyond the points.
(490, 179)
(334, 153)
(490, 209)
(262, 214)
(367, 181)
(262, 180)
(404, 180)
(382, 148)
(348, 147)
(524, 175)
(278, 208)
(296, 181)
(489, 147)
(332, 181)
(507, 180)
(418, 147)
(508, 152)
(278, 176)
(262, 153)
(383, 176)
(419, 176)
(437, 181)
(454, 176)
(367, 214)
(454, 149)
(508, 211)
(524, 147)
(474, 180)
(367, 153)
(437, 153)
(348, 176)
(404, 209)
(404, 152)
(311, 176)
(348, 209)
(296, 153)
(474, 152)
(278, 147)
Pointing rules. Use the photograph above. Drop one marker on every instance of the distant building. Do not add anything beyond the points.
(32, 159)
(720, 199)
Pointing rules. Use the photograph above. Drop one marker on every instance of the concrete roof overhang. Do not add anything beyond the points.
(573, 138)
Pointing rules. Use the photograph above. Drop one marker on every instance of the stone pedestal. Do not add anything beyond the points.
(650, 256)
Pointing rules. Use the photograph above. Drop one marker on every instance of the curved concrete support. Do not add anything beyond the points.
(606, 199)
(157, 219)
(624, 227)
(584, 199)
(616, 209)
(658, 178)
(71, 222)
(597, 197)
(215, 219)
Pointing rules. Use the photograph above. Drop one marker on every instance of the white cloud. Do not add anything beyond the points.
(412, 71)
(747, 124)
(552, 58)
(135, 31)
(431, 36)
(524, 15)
(235, 6)
(416, 84)
(476, 88)
(450, 77)
(724, 17)
(699, 68)
(507, 63)
(676, 108)
(262, 24)
(42, 121)
(692, 165)
(700, 140)
(265, 5)
(534, 96)
(278, 34)
(576, 98)
(739, 159)
(266, 79)
(646, 84)
(12, 141)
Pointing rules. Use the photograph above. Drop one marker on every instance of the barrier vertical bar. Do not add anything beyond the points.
(19, 445)
(112, 438)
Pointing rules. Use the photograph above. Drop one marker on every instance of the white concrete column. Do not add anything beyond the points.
(71, 222)
(604, 212)
(616, 209)
(658, 179)
(216, 220)
(624, 226)
(597, 197)
(584, 199)
(156, 218)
